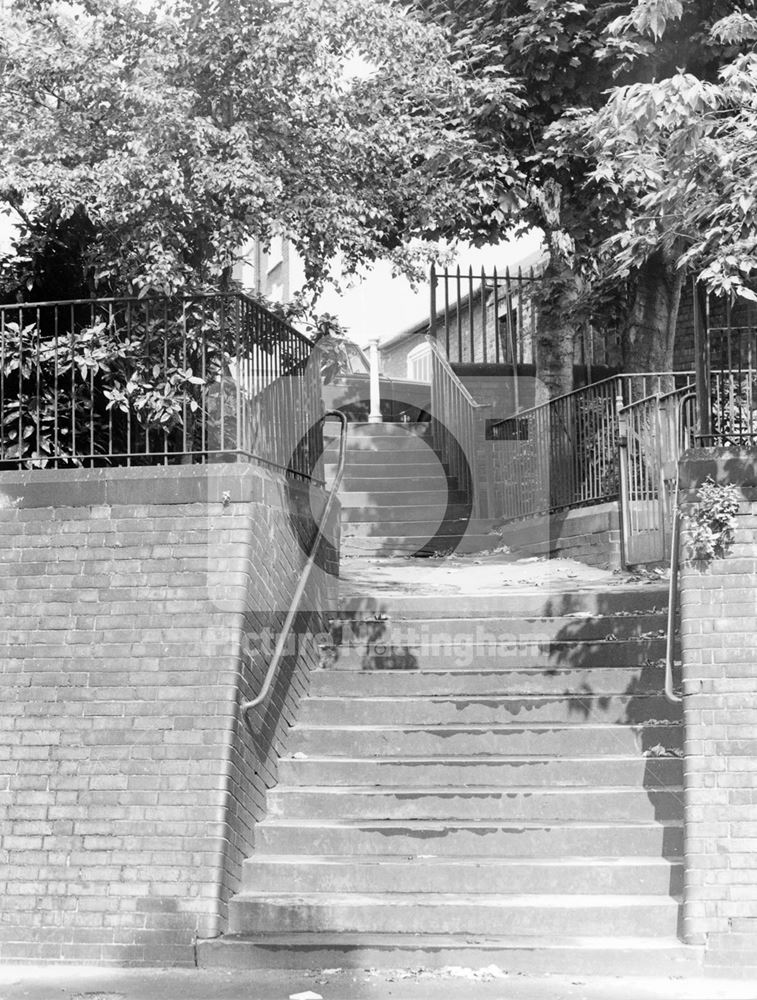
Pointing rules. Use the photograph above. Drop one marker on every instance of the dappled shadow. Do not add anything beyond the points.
(361, 639)
(618, 678)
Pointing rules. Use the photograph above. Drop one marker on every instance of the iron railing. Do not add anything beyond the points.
(654, 433)
(725, 350)
(563, 453)
(129, 381)
(732, 378)
(484, 318)
(454, 429)
(493, 318)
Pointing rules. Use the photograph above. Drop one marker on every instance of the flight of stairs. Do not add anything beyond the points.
(397, 498)
(475, 780)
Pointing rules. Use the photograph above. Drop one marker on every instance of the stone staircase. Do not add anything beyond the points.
(397, 497)
(475, 780)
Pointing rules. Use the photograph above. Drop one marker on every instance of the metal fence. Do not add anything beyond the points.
(456, 426)
(493, 318)
(725, 348)
(128, 381)
(654, 433)
(564, 453)
(733, 385)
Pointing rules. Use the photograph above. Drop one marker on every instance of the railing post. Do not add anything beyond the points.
(702, 365)
(375, 417)
(623, 509)
(432, 302)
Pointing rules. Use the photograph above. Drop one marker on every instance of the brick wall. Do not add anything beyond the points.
(590, 535)
(719, 639)
(393, 357)
(135, 607)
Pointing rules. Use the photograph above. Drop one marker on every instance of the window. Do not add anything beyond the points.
(419, 363)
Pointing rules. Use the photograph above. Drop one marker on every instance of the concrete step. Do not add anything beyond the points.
(396, 502)
(651, 773)
(564, 955)
(415, 802)
(385, 428)
(422, 522)
(380, 520)
(386, 444)
(465, 653)
(567, 629)
(378, 484)
(588, 876)
(416, 545)
(484, 710)
(545, 739)
(510, 603)
(403, 463)
(472, 838)
(594, 681)
(412, 913)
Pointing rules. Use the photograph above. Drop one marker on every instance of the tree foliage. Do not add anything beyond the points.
(682, 153)
(152, 143)
(632, 144)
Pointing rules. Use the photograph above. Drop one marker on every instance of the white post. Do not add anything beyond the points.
(374, 417)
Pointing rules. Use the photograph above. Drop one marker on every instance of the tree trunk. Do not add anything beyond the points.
(649, 337)
(556, 330)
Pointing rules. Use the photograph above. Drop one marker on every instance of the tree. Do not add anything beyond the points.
(682, 152)
(575, 61)
(152, 144)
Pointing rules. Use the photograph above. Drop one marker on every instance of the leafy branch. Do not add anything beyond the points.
(711, 523)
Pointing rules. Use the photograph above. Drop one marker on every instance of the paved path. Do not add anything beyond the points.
(76, 983)
(483, 573)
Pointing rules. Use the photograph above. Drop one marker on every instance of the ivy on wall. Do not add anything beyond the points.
(711, 522)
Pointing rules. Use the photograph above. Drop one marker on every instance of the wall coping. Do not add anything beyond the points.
(737, 466)
(244, 482)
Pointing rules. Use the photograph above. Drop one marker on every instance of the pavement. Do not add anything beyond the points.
(482, 573)
(105, 983)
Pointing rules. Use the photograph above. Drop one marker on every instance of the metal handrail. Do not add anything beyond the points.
(153, 299)
(672, 594)
(684, 392)
(619, 377)
(452, 375)
(273, 666)
(675, 546)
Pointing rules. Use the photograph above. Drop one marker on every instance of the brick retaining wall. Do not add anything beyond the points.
(719, 651)
(133, 608)
(590, 535)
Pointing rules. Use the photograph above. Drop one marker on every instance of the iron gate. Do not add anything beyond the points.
(653, 433)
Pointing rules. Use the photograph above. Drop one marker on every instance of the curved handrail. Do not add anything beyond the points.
(273, 666)
(450, 371)
(675, 545)
(672, 593)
